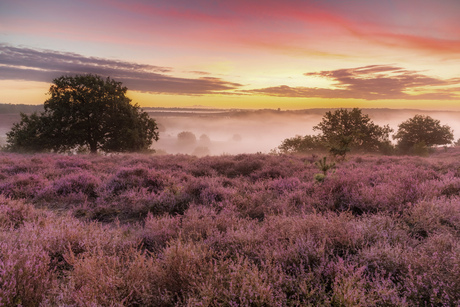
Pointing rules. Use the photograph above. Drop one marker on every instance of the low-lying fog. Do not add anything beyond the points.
(263, 130)
(234, 132)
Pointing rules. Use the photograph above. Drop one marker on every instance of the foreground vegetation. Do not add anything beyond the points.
(245, 230)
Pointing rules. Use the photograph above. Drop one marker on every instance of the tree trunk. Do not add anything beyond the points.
(93, 148)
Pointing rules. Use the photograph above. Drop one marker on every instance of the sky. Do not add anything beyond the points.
(288, 54)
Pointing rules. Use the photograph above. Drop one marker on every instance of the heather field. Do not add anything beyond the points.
(243, 230)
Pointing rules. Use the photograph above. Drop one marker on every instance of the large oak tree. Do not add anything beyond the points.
(85, 111)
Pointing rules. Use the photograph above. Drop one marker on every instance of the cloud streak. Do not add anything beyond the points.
(45, 65)
(369, 21)
(336, 28)
(373, 82)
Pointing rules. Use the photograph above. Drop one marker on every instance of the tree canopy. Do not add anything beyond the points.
(343, 130)
(302, 144)
(85, 111)
(186, 138)
(420, 131)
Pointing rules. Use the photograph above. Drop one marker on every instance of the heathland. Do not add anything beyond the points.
(242, 230)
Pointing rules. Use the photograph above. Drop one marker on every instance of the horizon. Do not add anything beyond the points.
(211, 108)
(292, 55)
(257, 130)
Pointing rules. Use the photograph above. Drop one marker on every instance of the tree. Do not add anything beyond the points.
(27, 134)
(201, 151)
(205, 140)
(186, 138)
(302, 144)
(422, 132)
(85, 111)
(344, 130)
(457, 143)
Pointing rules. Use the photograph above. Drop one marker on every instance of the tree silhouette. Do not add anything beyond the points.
(422, 131)
(344, 130)
(302, 144)
(85, 111)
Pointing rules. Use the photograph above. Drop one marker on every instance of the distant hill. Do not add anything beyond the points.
(18, 108)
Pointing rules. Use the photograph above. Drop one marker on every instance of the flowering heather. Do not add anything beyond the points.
(245, 230)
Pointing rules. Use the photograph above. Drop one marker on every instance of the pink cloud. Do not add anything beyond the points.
(428, 44)
(371, 83)
(291, 26)
(316, 20)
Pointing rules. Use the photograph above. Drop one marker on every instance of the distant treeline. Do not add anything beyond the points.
(241, 113)
(191, 109)
(18, 108)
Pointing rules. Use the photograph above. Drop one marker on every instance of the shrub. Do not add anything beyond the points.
(13, 213)
(98, 278)
(82, 182)
(137, 177)
(23, 185)
(25, 274)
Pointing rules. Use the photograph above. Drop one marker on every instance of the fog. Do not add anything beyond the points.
(6, 122)
(234, 132)
(264, 130)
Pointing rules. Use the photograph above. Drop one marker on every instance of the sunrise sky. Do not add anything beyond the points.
(288, 54)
